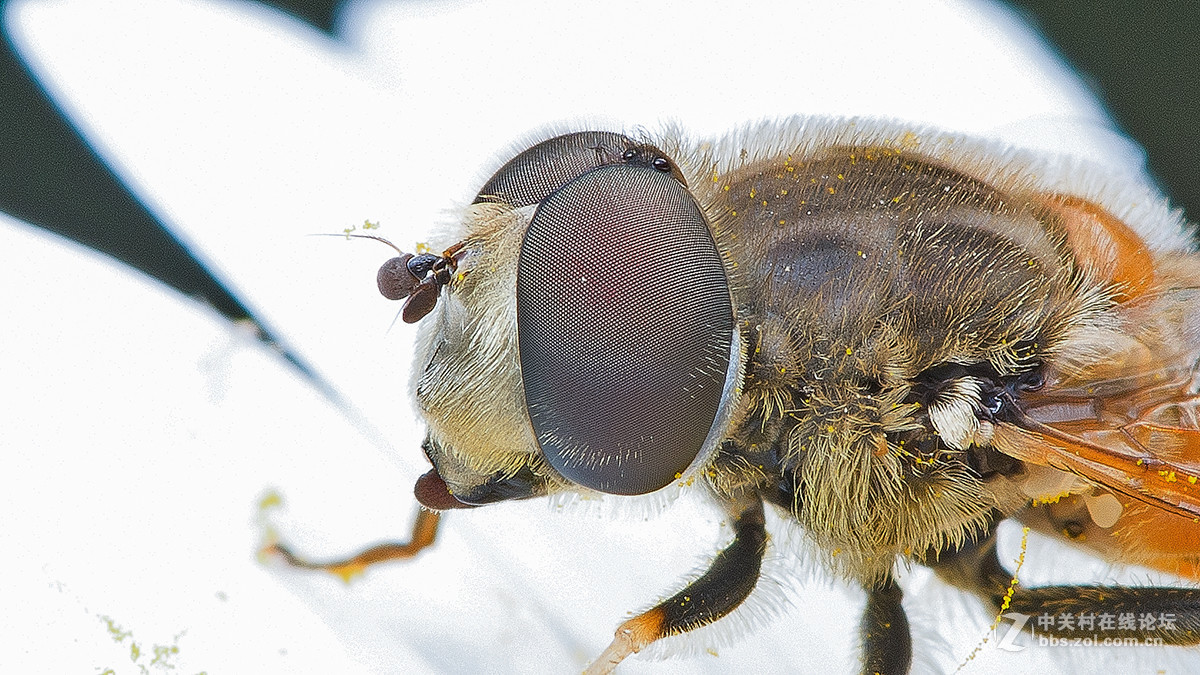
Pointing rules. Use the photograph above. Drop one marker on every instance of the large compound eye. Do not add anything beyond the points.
(624, 325)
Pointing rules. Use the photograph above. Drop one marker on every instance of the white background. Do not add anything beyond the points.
(139, 430)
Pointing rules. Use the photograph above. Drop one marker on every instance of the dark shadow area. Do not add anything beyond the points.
(50, 177)
(1143, 60)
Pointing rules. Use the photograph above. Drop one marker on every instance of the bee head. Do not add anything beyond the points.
(586, 335)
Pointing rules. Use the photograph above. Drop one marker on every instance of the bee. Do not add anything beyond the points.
(894, 337)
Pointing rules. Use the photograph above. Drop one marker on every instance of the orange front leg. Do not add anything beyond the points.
(424, 532)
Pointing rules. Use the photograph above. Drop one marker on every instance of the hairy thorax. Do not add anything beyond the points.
(867, 267)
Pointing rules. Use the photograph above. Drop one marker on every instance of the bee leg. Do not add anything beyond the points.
(1171, 615)
(886, 641)
(728, 581)
(423, 534)
(974, 567)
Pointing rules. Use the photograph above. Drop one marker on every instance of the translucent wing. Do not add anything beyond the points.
(1120, 406)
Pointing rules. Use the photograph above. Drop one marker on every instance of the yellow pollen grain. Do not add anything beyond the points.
(831, 190)
(1005, 603)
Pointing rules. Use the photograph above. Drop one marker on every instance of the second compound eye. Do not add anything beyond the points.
(537, 172)
(625, 326)
(532, 175)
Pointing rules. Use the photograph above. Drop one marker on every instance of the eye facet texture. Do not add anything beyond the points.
(532, 175)
(624, 326)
